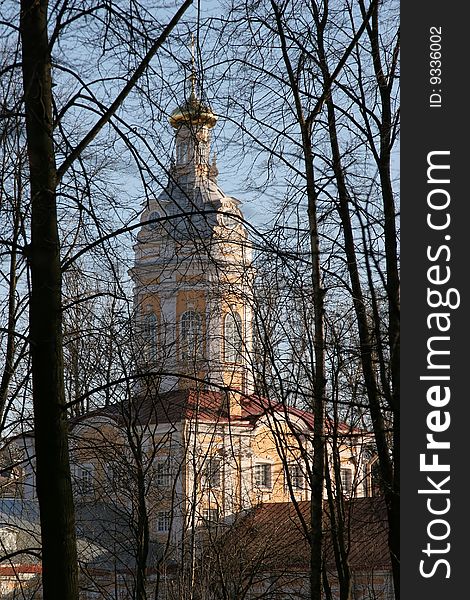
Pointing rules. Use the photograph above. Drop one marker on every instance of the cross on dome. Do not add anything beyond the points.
(193, 112)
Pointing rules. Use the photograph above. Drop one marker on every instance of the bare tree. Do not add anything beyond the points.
(306, 109)
(39, 30)
(309, 106)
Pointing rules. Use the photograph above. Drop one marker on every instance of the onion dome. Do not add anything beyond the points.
(193, 112)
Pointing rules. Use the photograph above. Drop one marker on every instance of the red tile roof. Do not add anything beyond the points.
(206, 406)
(6, 570)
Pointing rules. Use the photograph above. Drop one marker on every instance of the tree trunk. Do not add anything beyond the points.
(387, 468)
(54, 489)
(384, 85)
(318, 471)
(319, 376)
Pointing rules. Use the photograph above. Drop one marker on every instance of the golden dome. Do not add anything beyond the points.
(193, 111)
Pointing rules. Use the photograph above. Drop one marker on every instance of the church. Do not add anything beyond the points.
(194, 448)
(193, 292)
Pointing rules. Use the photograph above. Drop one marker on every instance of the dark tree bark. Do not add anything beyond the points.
(54, 488)
(385, 83)
(319, 376)
(306, 122)
(388, 451)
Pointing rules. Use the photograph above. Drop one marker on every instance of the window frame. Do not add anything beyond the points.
(154, 214)
(163, 521)
(191, 335)
(213, 476)
(263, 475)
(150, 334)
(182, 152)
(85, 485)
(346, 476)
(210, 517)
(163, 473)
(297, 479)
(233, 338)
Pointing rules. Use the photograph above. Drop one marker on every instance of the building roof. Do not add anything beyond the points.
(207, 406)
(21, 517)
(275, 536)
(168, 408)
(192, 207)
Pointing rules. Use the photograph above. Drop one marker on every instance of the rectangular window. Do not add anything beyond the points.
(84, 479)
(163, 521)
(213, 472)
(163, 473)
(296, 477)
(346, 480)
(262, 475)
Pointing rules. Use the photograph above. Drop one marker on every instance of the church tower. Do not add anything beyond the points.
(193, 271)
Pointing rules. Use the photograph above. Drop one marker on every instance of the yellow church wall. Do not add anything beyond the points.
(145, 277)
(234, 379)
(191, 300)
(264, 450)
(239, 448)
(103, 444)
(232, 303)
(149, 279)
(150, 303)
(194, 278)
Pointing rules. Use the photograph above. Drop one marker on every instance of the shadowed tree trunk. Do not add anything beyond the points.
(306, 121)
(54, 489)
(59, 555)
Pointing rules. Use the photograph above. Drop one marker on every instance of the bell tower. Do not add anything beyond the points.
(193, 274)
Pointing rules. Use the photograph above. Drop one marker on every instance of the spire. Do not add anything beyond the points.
(193, 75)
(193, 111)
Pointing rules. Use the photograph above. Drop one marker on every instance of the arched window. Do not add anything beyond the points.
(191, 335)
(150, 334)
(233, 340)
